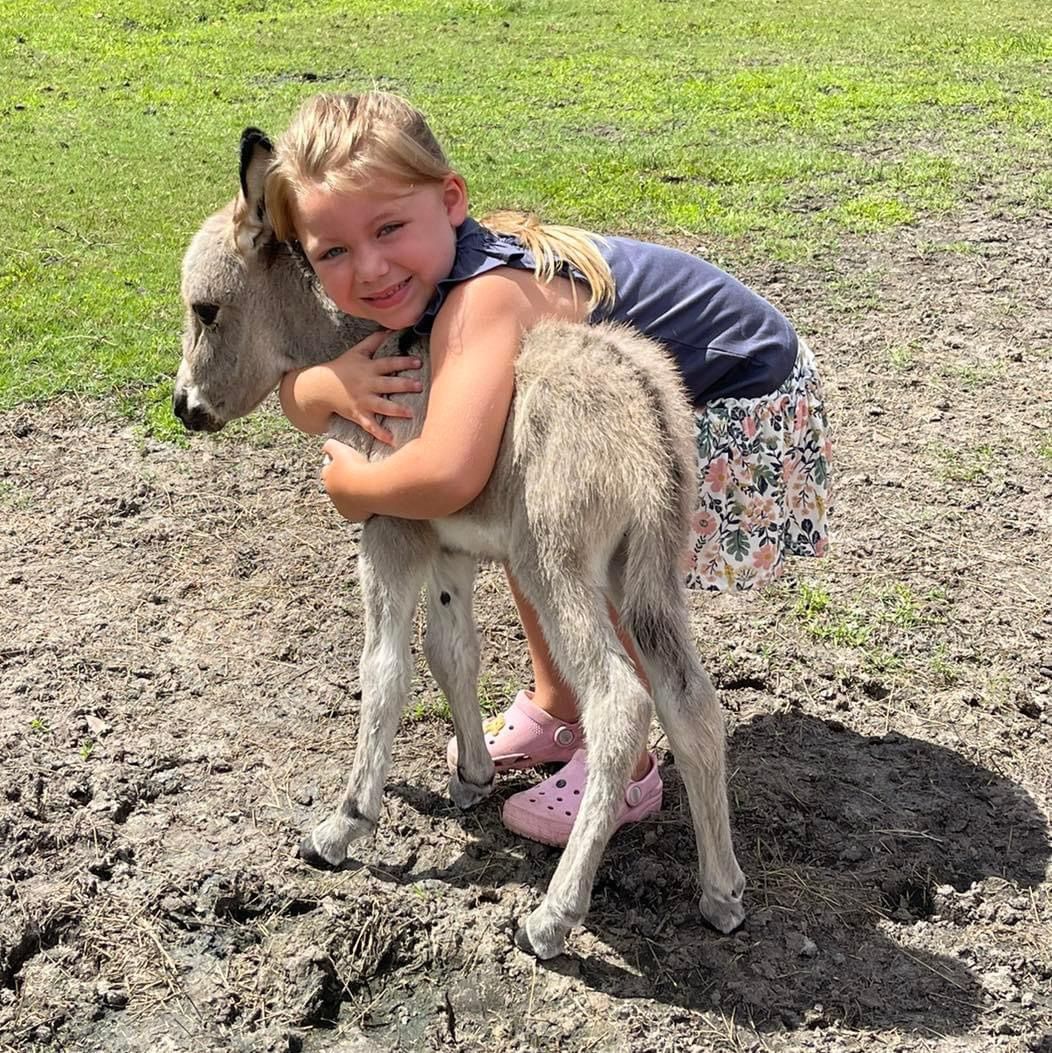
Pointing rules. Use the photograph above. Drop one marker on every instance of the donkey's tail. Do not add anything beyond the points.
(656, 541)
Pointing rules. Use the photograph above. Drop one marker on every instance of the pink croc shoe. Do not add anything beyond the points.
(546, 812)
(524, 736)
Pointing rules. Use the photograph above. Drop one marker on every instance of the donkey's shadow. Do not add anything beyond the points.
(846, 840)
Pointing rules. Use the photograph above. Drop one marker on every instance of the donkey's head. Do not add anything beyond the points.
(253, 310)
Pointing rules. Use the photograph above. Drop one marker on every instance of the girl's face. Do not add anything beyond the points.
(380, 253)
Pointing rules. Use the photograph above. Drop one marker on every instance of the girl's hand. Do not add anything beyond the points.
(337, 475)
(352, 386)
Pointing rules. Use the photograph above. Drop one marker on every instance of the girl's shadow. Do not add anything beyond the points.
(860, 853)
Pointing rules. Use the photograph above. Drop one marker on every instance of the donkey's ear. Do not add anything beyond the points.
(250, 215)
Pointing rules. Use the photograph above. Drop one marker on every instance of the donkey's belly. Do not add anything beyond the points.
(473, 536)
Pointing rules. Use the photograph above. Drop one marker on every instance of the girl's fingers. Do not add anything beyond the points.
(370, 424)
(387, 408)
(371, 342)
(396, 364)
(390, 385)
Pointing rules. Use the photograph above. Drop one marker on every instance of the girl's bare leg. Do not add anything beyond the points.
(550, 692)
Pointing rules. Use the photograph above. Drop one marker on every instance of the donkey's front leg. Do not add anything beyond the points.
(390, 574)
(452, 649)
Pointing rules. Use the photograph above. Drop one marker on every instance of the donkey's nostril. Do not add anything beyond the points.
(195, 416)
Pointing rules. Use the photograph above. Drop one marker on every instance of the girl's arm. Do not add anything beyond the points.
(474, 343)
(351, 386)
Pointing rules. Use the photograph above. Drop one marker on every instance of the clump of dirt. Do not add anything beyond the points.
(179, 696)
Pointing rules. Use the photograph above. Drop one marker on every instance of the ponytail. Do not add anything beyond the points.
(552, 246)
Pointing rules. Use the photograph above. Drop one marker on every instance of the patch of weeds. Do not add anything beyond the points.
(150, 410)
(870, 213)
(39, 726)
(996, 692)
(900, 606)
(961, 465)
(429, 708)
(901, 355)
(825, 622)
(1008, 307)
(495, 694)
(972, 376)
(894, 625)
(87, 747)
(855, 293)
(11, 497)
(879, 660)
(1045, 449)
(942, 669)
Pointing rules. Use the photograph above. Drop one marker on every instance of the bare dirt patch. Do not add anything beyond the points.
(179, 635)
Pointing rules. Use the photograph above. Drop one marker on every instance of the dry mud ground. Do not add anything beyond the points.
(179, 633)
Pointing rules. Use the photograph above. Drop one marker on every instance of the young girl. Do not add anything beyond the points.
(363, 186)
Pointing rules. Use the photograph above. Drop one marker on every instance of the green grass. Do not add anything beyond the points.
(494, 694)
(960, 464)
(900, 634)
(825, 620)
(902, 355)
(758, 130)
(12, 497)
(886, 623)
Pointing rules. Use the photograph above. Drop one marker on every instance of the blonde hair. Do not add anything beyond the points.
(343, 142)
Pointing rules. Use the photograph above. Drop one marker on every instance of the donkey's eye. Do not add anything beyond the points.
(206, 312)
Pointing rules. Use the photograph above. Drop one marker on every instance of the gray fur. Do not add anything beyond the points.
(590, 496)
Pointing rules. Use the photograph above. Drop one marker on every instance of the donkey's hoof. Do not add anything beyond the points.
(522, 941)
(466, 794)
(538, 946)
(724, 913)
(312, 857)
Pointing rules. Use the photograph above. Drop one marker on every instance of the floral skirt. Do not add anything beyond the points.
(763, 483)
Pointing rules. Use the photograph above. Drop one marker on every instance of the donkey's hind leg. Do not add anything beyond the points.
(452, 648)
(689, 712)
(616, 712)
(391, 565)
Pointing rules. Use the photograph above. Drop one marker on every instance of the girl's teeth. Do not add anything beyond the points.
(387, 296)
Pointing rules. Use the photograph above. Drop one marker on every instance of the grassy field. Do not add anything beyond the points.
(745, 130)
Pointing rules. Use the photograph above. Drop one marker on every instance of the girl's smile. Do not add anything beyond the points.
(392, 296)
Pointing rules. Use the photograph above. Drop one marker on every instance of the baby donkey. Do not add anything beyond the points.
(590, 498)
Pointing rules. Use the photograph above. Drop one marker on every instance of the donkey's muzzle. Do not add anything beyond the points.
(193, 415)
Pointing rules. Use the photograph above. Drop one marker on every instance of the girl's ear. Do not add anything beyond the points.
(455, 197)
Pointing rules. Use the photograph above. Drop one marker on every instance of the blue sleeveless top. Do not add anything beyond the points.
(728, 341)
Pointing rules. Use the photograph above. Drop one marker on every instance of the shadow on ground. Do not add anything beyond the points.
(858, 849)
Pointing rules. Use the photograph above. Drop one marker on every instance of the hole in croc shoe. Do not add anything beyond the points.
(559, 799)
(576, 792)
(533, 800)
(567, 813)
(560, 783)
(550, 808)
